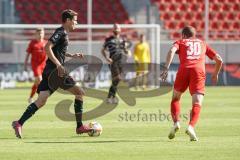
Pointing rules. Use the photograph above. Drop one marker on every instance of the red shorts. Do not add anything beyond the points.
(194, 78)
(38, 70)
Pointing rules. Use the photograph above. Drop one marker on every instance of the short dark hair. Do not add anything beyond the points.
(189, 31)
(39, 29)
(68, 13)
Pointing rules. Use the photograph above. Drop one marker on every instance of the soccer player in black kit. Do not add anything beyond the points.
(117, 46)
(56, 49)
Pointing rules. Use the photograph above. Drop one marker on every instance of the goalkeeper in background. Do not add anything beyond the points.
(142, 60)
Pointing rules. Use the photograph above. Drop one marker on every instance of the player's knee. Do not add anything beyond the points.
(176, 97)
(79, 92)
(116, 81)
(40, 102)
(38, 80)
(79, 97)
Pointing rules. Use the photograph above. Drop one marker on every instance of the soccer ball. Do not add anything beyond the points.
(97, 129)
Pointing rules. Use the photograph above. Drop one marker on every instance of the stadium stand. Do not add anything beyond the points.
(224, 16)
(48, 11)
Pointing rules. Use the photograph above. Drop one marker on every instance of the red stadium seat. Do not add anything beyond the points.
(236, 26)
(167, 16)
(178, 16)
(184, 7)
(175, 35)
(190, 1)
(182, 24)
(197, 7)
(170, 25)
(199, 16)
(180, 1)
(232, 1)
(199, 1)
(222, 35)
(226, 26)
(172, 7)
(231, 16)
(195, 24)
(163, 7)
(215, 7)
(214, 25)
(188, 16)
(222, 1)
(212, 36)
(221, 16)
(236, 7)
(212, 16)
(227, 7)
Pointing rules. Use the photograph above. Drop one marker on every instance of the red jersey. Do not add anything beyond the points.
(37, 51)
(192, 53)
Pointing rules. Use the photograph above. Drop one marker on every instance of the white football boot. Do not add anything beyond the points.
(174, 130)
(115, 100)
(190, 131)
(110, 100)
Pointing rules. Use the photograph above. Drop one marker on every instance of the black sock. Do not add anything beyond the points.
(78, 108)
(31, 109)
(113, 89)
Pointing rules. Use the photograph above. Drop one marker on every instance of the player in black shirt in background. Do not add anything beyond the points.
(56, 50)
(117, 47)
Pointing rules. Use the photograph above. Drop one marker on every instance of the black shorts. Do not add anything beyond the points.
(51, 82)
(116, 69)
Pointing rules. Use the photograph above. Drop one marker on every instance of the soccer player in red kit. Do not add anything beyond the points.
(38, 59)
(191, 73)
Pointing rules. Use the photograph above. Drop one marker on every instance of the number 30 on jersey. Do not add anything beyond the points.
(194, 50)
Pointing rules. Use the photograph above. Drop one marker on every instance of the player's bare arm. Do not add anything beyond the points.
(128, 52)
(217, 69)
(169, 59)
(26, 61)
(51, 56)
(104, 53)
(74, 55)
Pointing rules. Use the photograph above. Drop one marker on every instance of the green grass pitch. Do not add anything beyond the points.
(47, 138)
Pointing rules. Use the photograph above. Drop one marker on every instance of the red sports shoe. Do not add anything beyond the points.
(83, 129)
(17, 128)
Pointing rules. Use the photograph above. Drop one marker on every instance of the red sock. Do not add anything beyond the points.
(34, 89)
(175, 110)
(194, 114)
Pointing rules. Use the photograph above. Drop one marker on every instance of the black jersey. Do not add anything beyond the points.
(115, 46)
(60, 41)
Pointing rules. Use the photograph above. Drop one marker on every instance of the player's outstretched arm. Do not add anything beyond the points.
(170, 56)
(218, 65)
(169, 59)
